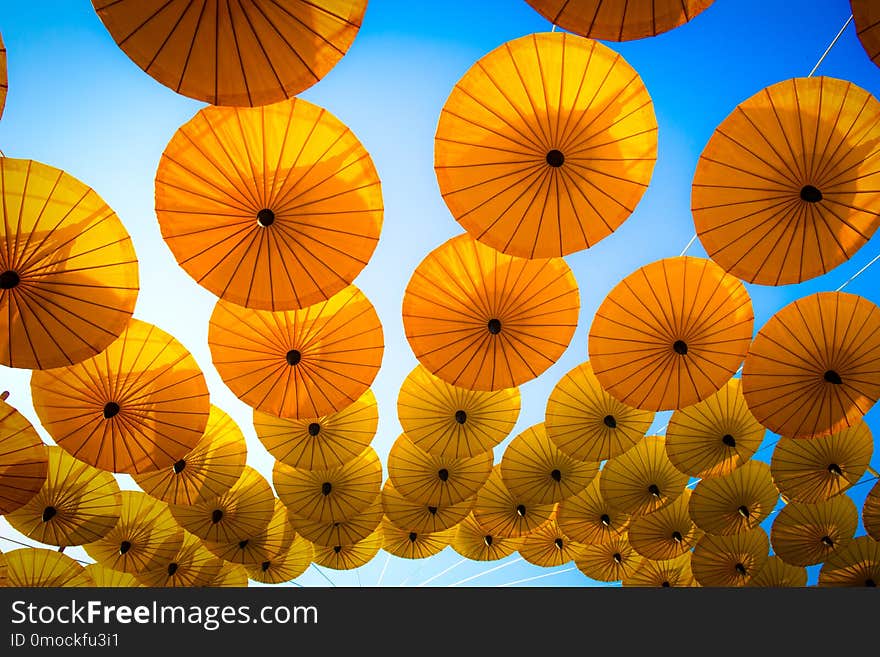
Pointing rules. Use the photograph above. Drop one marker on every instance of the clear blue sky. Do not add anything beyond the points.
(78, 103)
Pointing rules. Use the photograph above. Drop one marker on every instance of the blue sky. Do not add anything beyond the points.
(78, 103)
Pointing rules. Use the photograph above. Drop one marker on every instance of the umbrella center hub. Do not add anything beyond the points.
(179, 466)
(337, 549)
(265, 218)
(265, 566)
(110, 409)
(665, 584)
(412, 537)
(558, 543)
(216, 515)
(834, 469)
(870, 583)
(617, 557)
(744, 511)
(654, 490)
(494, 326)
(49, 512)
(810, 194)
(680, 347)
(605, 519)
(521, 510)
(610, 421)
(556, 474)
(738, 567)
(555, 158)
(443, 473)
(832, 377)
(124, 547)
(677, 537)
(9, 279)
(432, 510)
(728, 440)
(243, 544)
(326, 487)
(172, 568)
(460, 417)
(314, 429)
(828, 541)
(487, 540)
(293, 357)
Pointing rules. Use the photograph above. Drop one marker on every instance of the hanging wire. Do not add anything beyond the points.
(859, 273)
(486, 572)
(12, 540)
(384, 568)
(321, 572)
(531, 579)
(443, 572)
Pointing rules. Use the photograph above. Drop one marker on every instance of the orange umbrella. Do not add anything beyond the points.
(588, 518)
(786, 188)
(777, 574)
(241, 53)
(286, 566)
(422, 518)
(808, 534)
(473, 541)
(24, 461)
(871, 512)
(193, 565)
(671, 334)
(138, 406)
(68, 270)
(587, 423)
(413, 545)
(866, 15)
(276, 538)
(857, 564)
(319, 443)
(667, 533)
(730, 560)
(300, 363)
(549, 163)
(715, 436)
(483, 320)
(616, 21)
(454, 422)
(611, 561)
(811, 370)
(344, 532)
(274, 208)
(502, 513)
(663, 574)
(548, 546)
(735, 503)
(38, 567)
(348, 557)
(4, 78)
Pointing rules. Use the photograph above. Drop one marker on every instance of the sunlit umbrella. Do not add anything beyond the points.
(231, 575)
(871, 512)
(241, 53)
(611, 561)
(473, 541)
(3, 569)
(812, 368)
(730, 560)
(4, 78)
(273, 208)
(24, 461)
(38, 567)
(616, 21)
(588, 518)
(587, 423)
(735, 503)
(808, 534)
(413, 545)
(857, 564)
(344, 532)
(104, 577)
(672, 573)
(502, 513)
(671, 334)
(138, 406)
(447, 420)
(666, 533)
(324, 442)
(484, 320)
(208, 470)
(422, 518)
(348, 557)
(775, 573)
(300, 363)
(549, 163)
(815, 469)
(548, 546)
(866, 15)
(715, 436)
(286, 566)
(274, 539)
(193, 565)
(786, 188)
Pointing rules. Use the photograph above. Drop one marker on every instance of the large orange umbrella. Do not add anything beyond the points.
(866, 15)
(730, 560)
(475, 542)
(286, 566)
(812, 368)
(422, 518)
(808, 534)
(348, 557)
(857, 564)
(24, 461)
(548, 546)
(299, 363)
(619, 21)
(734, 503)
(775, 573)
(502, 513)
(611, 561)
(546, 163)
(68, 270)
(484, 320)
(138, 406)
(671, 334)
(240, 53)
(667, 533)
(38, 567)
(671, 573)
(450, 421)
(413, 545)
(273, 208)
(587, 423)
(871, 512)
(588, 518)
(344, 532)
(786, 189)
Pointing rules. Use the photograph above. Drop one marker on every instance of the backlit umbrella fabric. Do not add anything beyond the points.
(866, 16)
(548, 546)
(348, 557)
(588, 518)
(808, 534)
(670, 573)
(609, 562)
(230, 576)
(775, 573)
(344, 532)
(422, 518)
(666, 533)
(871, 512)
(413, 545)
(735, 503)
(42, 568)
(274, 539)
(286, 566)
(24, 460)
(4, 77)
(503, 513)
(192, 566)
(104, 577)
(730, 561)
(473, 541)
(857, 564)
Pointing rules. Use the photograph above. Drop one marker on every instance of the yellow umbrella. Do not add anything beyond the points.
(730, 560)
(671, 334)
(666, 533)
(857, 564)
(473, 541)
(450, 421)
(484, 320)
(587, 423)
(38, 567)
(715, 436)
(815, 469)
(422, 518)
(671, 573)
(210, 469)
(588, 518)
(871, 512)
(138, 406)
(808, 534)
(348, 557)
(286, 566)
(270, 542)
(230, 576)
(612, 561)
(24, 460)
(413, 545)
(546, 163)
(777, 574)
(104, 577)
(3, 570)
(502, 513)
(734, 503)
(866, 15)
(548, 546)
(193, 565)
(344, 532)
(324, 442)
(300, 363)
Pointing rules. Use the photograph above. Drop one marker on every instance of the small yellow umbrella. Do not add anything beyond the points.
(436, 480)
(210, 469)
(231, 575)
(422, 518)
(548, 546)
(642, 479)
(270, 542)
(871, 512)
(735, 503)
(344, 532)
(473, 541)
(502, 513)
(778, 574)
(730, 560)
(413, 545)
(815, 469)
(857, 564)
(588, 518)
(104, 577)
(192, 566)
(447, 420)
(715, 436)
(587, 423)
(24, 460)
(808, 534)
(866, 15)
(38, 567)
(348, 557)
(612, 561)
(320, 443)
(666, 533)
(671, 573)
(286, 566)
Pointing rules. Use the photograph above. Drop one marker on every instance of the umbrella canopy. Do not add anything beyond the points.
(786, 188)
(815, 469)
(274, 208)
(422, 518)
(68, 270)
(615, 21)
(24, 460)
(145, 536)
(4, 78)
(286, 566)
(231, 575)
(866, 15)
(104, 577)
(436, 480)
(210, 469)
(193, 565)
(587, 423)
(454, 422)
(588, 518)
(276, 538)
(672, 573)
(536, 471)
(871, 512)
(808, 534)
(77, 504)
(547, 163)
(730, 560)
(38, 567)
(473, 541)
(715, 436)
(320, 443)
(345, 532)
(667, 533)
(548, 546)
(857, 564)
(609, 562)
(237, 514)
(333, 495)
(735, 503)
(777, 574)
(138, 406)
(243, 53)
(413, 545)
(484, 320)
(502, 513)
(348, 557)
(671, 334)
(641, 480)
(299, 363)
(811, 370)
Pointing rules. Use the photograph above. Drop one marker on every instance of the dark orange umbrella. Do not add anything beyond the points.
(730, 560)
(734, 503)
(808, 534)
(611, 561)
(666, 533)
(548, 546)
(663, 574)
(866, 15)
(588, 518)
(857, 564)
(474, 542)
(502, 513)
(24, 461)
(775, 573)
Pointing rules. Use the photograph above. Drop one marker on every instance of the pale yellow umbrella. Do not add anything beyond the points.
(24, 461)
(272, 541)
(286, 566)
(588, 518)
(344, 532)
(41, 568)
(413, 545)
(105, 577)
(193, 565)
(474, 542)
(231, 575)
(422, 518)
(348, 557)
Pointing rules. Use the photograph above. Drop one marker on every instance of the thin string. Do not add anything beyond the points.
(12, 540)
(486, 572)
(531, 579)
(321, 572)
(443, 572)
(859, 273)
